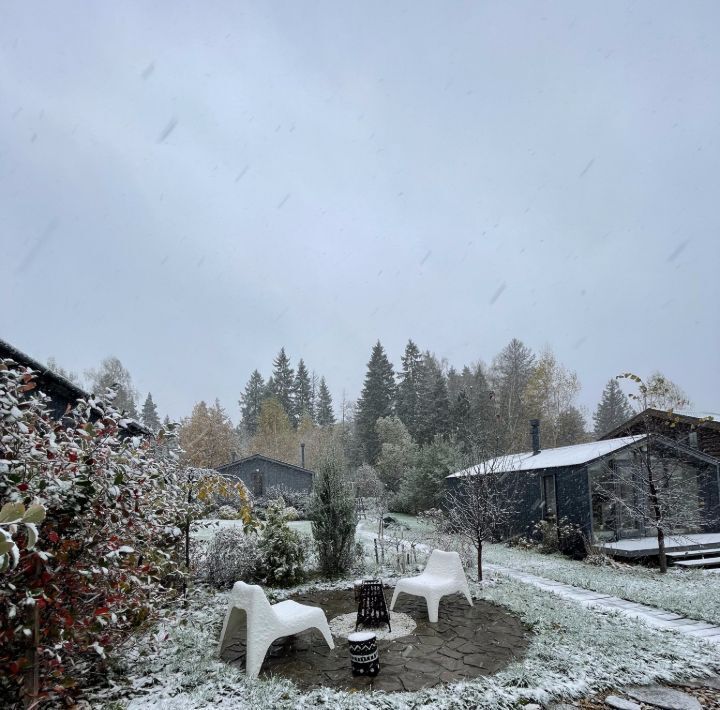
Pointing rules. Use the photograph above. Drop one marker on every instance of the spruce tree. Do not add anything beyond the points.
(407, 392)
(376, 400)
(511, 372)
(613, 410)
(150, 416)
(302, 393)
(283, 381)
(250, 402)
(570, 427)
(433, 407)
(332, 515)
(324, 412)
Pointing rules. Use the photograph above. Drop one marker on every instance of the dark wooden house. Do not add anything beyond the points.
(699, 430)
(61, 391)
(261, 473)
(570, 483)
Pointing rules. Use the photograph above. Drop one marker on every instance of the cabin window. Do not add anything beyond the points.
(549, 496)
(603, 510)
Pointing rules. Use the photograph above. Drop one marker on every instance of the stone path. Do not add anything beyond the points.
(467, 642)
(652, 616)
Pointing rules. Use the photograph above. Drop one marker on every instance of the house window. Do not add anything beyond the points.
(549, 496)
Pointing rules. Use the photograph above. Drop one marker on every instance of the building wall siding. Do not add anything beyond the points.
(260, 475)
(573, 497)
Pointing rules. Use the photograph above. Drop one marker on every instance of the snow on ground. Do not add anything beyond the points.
(690, 593)
(573, 652)
(205, 529)
(401, 625)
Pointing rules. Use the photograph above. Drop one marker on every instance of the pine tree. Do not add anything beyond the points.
(150, 416)
(250, 402)
(433, 405)
(407, 392)
(282, 382)
(613, 410)
(570, 427)
(325, 414)
(511, 372)
(376, 400)
(332, 515)
(302, 393)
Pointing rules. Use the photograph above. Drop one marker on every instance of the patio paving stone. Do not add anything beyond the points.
(468, 642)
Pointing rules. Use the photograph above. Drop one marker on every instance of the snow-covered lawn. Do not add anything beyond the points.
(573, 652)
(690, 593)
(205, 529)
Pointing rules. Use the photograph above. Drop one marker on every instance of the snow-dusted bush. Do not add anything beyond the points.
(110, 542)
(227, 512)
(281, 549)
(299, 500)
(561, 536)
(232, 555)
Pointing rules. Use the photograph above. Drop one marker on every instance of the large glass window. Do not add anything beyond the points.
(621, 501)
(603, 509)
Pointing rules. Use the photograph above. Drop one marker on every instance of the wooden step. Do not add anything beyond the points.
(704, 562)
(698, 552)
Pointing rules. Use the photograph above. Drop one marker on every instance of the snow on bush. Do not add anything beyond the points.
(282, 551)
(689, 593)
(573, 652)
(109, 544)
(231, 555)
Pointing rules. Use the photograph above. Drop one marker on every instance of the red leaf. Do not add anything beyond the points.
(53, 536)
(102, 610)
(23, 486)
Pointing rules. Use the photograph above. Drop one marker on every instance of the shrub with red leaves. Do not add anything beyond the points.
(109, 553)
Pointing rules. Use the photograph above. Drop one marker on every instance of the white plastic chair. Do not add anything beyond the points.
(266, 622)
(442, 575)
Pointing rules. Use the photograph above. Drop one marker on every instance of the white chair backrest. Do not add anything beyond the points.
(252, 599)
(444, 564)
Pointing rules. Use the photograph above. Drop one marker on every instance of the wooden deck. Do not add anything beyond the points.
(647, 546)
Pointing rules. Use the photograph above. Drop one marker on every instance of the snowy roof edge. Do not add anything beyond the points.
(551, 458)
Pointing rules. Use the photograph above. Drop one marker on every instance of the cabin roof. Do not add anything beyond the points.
(264, 458)
(551, 458)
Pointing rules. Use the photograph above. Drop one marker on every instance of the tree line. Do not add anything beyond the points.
(425, 408)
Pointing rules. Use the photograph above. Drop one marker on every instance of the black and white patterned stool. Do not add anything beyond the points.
(364, 653)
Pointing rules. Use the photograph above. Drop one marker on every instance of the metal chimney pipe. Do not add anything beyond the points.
(535, 436)
(302, 454)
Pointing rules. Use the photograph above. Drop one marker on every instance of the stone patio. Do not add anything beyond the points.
(467, 642)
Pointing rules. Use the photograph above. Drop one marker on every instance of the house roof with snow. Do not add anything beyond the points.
(551, 458)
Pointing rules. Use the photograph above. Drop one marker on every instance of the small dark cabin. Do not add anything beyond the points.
(262, 473)
(569, 482)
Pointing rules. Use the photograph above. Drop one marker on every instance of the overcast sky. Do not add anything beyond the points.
(190, 186)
